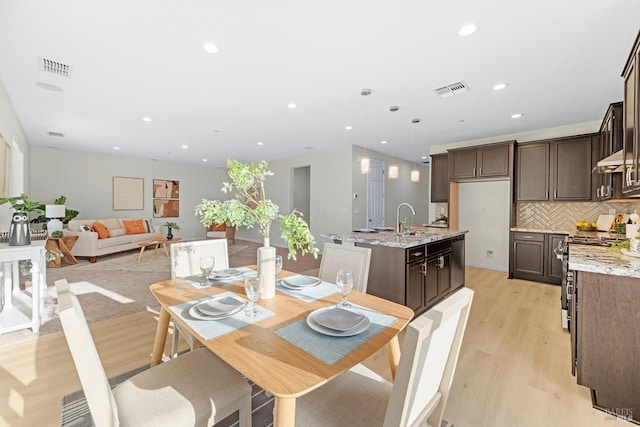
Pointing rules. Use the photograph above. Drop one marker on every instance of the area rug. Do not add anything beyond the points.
(75, 411)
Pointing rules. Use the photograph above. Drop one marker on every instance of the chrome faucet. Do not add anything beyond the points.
(413, 212)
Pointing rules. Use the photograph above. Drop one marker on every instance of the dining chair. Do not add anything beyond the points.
(185, 261)
(360, 397)
(197, 389)
(354, 258)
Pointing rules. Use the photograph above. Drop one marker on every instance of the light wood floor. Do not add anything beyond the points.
(513, 369)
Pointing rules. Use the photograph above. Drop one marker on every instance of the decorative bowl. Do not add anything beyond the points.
(587, 228)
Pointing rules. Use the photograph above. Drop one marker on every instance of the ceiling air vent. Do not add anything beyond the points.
(58, 134)
(54, 67)
(456, 88)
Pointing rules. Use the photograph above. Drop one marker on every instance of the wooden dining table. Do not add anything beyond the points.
(281, 368)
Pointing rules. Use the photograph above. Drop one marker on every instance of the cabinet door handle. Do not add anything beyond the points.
(474, 171)
(440, 263)
(416, 254)
(424, 268)
(555, 194)
(598, 193)
(546, 194)
(480, 171)
(527, 237)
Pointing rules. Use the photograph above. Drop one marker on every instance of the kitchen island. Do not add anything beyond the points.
(417, 269)
(605, 332)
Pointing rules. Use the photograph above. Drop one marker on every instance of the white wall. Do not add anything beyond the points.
(484, 211)
(86, 180)
(12, 132)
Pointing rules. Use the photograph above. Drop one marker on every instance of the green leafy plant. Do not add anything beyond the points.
(57, 234)
(69, 214)
(22, 203)
(172, 225)
(251, 207)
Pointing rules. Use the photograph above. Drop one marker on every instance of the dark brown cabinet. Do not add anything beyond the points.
(607, 186)
(555, 170)
(428, 277)
(439, 178)
(631, 121)
(533, 257)
(486, 161)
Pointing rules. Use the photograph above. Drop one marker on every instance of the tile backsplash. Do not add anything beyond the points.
(563, 215)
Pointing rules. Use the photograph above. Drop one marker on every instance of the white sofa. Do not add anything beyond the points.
(89, 246)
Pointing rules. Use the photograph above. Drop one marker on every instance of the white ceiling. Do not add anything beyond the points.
(562, 60)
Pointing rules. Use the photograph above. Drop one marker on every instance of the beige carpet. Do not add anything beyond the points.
(114, 286)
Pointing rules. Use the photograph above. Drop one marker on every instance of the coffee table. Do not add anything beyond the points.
(161, 241)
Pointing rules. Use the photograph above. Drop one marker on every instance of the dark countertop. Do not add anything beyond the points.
(389, 238)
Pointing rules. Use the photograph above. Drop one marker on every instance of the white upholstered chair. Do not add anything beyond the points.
(185, 261)
(360, 397)
(197, 389)
(354, 258)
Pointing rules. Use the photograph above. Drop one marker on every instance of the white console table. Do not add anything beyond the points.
(21, 310)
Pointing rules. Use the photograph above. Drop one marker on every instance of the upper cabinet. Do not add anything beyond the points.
(439, 178)
(485, 161)
(630, 120)
(555, 170)
(607, 186)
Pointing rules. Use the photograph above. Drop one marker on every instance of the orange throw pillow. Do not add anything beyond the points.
(135, 227)
(102, 231)
(218, 227)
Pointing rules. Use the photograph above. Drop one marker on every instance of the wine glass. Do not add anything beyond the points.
(253, 288)
(344, 280)
(206, 266)
(278, 264)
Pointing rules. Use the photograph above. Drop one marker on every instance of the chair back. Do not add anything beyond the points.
(429, 357)
(185, 256)
(354, 258)
(85, 357)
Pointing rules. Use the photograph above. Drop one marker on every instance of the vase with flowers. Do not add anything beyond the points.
(249, 208)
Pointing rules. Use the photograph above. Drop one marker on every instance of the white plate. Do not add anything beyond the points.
(362, 326)
(226, 273)
(300, 282)
(217, 308)
(630, 253)
(364, 230)
(383, 229)
(339, 319)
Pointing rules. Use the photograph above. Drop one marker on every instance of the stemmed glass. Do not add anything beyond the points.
(278, 264)
(206, 266)
(344, 280)
(253, 288)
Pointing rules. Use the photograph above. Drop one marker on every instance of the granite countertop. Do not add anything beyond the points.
(388, 238)
(573, 232)
(603, 260)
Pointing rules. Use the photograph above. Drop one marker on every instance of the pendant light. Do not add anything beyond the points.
(415, 173)
(394, 171)
(364, 161)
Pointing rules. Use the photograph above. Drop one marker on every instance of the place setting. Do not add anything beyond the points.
(330, 333)
(306, 288)
(210, 277)
(214, 316)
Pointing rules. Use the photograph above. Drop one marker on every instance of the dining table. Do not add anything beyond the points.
(278, 350)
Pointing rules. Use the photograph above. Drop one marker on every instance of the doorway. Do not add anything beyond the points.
(301, 188)
(375, 194)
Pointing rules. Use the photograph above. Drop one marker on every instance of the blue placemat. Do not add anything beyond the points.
(196, 279)
(209, 329)
(331, 349)
(323, 290)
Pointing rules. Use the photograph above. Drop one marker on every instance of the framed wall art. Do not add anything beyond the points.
(128, 193)
(166, 208)
(166, 189)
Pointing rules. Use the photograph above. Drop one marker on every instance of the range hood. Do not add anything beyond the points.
(613, 163)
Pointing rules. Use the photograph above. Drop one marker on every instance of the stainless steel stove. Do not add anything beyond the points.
(568, 276)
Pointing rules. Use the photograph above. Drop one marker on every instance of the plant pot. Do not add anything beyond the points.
(19, 232)
(169, 234)
(267, 269)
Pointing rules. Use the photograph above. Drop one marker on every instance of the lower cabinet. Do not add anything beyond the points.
(533, 257)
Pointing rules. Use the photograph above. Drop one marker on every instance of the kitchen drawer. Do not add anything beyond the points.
(416, 253)
(534, 237)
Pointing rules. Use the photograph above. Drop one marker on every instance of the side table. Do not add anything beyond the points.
(61, 246)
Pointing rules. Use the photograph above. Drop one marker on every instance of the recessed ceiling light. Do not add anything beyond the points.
(260, 143)
(49, 86)
(461, 121)
(147, 119)
(116, 148)
(185, 146)
(308, 148)
(348, 127)
(423, 157)
(516, 115)
(210, 48)
(499, 86)
(205, 160)
(292, 105)
(467, 30)
(383, 142)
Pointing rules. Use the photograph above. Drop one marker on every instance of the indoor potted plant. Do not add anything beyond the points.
(251, 207)
(19, 232)
(171, 226)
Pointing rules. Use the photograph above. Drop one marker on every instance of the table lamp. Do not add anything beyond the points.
(54, 212)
